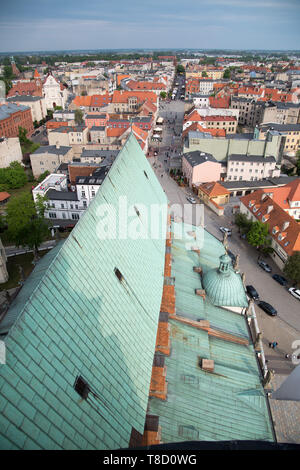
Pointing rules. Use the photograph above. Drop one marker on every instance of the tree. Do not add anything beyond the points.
(78, 117)
(292, 267)
(26, 224)
(163, 95)
(12, 177)
(242, 221)
(180, 68)
(43, 176)
(227, 74)
(204, 74)
(27, 145)
(258, 234)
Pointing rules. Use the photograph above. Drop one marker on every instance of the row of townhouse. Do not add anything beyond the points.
(201, 167)
(213, 118)
(284, 231)
(253, 112)
(289, 132)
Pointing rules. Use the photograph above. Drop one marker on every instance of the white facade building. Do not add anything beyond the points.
(54, 92)
(251, 168)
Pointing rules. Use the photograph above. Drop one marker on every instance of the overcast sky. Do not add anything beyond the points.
(111, 24)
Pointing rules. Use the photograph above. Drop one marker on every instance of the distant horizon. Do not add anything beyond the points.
(150, 49)
(36, 26)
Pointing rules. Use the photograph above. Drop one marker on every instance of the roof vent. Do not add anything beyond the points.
(118, 274)
(207, 365)
(81, 387)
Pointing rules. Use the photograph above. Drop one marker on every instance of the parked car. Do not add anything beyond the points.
(252, 292)
(295, 292)
(226, 230)
(264, 266)
(191, 200)
(282, 280)
(267, 308)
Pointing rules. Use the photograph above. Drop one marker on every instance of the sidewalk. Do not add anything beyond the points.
(13, 250)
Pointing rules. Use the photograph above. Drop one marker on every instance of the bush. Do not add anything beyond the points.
(13, 177)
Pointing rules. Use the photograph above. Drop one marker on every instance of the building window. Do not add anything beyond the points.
(52, 215)
(75, 216)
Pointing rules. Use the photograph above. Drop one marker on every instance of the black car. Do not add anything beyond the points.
(252, 292)
(268, 308)
(265, 266)
(282, 280)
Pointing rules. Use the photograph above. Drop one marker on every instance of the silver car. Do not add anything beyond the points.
(295, 292)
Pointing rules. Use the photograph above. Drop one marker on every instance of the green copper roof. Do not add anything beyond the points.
(228, 403)
(82, 317)
(32, 282)
(223, 286)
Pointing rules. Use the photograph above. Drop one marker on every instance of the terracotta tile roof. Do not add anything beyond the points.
(121, 96)
(4, 195)
(26, 88)
(100, 100)
(80, 171)
(36, 74)
(216, 102)
(213, 189)
(276, 217)
(283, 194)
(139, 133)
(93, 100)
(147, 108)
(115, 131)
(82, 100)
(248, 90)
(121, 77)
(133, 85)
(195, 126)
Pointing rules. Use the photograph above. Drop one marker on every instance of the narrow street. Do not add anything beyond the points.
(285, 327)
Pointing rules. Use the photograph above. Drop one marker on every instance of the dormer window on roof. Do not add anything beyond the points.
(275, 230)
(281, 236)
